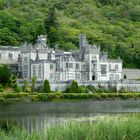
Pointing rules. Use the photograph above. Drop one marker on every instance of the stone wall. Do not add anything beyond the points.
(128, 85)
(131, 73)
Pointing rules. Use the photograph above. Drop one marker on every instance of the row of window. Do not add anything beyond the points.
(114, 77)
(104, 68)
(70, 66)
(9, 55)
(116, 68)
(39, 71)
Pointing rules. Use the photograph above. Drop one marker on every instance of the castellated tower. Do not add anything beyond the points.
(82, 41)
(42, 39)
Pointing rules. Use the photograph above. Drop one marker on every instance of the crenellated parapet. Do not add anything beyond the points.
(131, 73)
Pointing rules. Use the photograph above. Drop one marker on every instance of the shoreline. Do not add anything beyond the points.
(47, 97)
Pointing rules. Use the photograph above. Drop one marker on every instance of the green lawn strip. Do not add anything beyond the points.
(65, 96)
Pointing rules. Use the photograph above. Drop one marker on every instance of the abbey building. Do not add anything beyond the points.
(86, 64)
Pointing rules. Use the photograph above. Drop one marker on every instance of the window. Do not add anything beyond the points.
(116, 67)
(25, 58)
(51, 66)
(39, 72)
(67, 66)
(34, 70)
(94, 66)
(25, 74)
(84, 66)
(77, 76)
(77, 66)
(10, 55)
(25, 66)
(39, 66)
(39, 75)
(116, 77)
(70, 65)
(103, 69)
(111, 77)
(109, 66)
(51, 76)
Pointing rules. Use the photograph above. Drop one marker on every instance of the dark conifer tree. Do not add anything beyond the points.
(46, 87)
(51, 26)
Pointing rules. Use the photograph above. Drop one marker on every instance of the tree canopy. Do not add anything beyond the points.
(46, 87)
(114, 24)
(51, 26)
(5, 74)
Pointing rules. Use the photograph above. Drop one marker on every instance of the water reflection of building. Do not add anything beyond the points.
(42, 123)
(35, 123)
(32, 124)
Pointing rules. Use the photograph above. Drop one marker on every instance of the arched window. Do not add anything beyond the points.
(93, 77)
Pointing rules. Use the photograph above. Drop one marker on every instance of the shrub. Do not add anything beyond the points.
(5, 74)
(75, 96)
(123, 90)
(91, 88)
(46, 87)
(1, 87)
(12, 82)
(19, 89)
(52, 96)
(74, 88)
(82, 89)
(42, 97)
(27, 87)
(34, 80)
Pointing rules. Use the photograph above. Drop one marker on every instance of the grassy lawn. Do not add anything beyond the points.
(13, 97)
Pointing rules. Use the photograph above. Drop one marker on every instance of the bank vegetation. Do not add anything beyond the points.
(117, 128)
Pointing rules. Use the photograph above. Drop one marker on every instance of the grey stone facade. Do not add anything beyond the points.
(86, 64)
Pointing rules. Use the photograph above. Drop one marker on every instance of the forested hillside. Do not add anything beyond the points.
(114, 24)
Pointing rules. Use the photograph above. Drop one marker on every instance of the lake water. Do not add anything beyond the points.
(39, 115)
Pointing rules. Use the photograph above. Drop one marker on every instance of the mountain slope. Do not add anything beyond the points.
(114, 24)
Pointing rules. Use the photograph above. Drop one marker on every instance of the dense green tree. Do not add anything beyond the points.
(111, 2)
(73, 88)
(27, 87)
(1, 4)
(135, 13)
(5, 74)
(110, 23)
(46, 87)
(34, 80)
(13, 82)
(51, 25)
